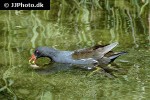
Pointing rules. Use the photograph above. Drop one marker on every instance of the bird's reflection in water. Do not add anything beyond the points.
(60, 67)
(54, 68)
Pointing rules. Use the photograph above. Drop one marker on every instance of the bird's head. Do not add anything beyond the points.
(41, 52)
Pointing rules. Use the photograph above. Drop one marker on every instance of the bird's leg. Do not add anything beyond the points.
(97, 69)
(109, 75)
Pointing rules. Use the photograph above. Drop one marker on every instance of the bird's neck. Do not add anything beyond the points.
(52, 53)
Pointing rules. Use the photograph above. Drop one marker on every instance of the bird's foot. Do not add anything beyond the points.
(97, 70)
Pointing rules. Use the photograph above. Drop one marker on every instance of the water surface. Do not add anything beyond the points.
(22, 31)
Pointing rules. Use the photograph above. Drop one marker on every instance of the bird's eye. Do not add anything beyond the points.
(36, 52)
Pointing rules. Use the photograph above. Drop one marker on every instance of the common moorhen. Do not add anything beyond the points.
(88, 57)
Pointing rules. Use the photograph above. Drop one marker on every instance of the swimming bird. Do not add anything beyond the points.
(87, 58)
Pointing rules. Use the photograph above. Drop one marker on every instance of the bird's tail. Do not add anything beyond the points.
(114, 56)
(106, 49)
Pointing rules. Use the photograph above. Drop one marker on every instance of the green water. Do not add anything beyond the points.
(67, 28)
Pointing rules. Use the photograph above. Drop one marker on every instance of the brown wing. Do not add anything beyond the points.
(87, 52)
(97, 51)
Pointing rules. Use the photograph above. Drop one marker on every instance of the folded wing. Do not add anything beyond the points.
(94, 52)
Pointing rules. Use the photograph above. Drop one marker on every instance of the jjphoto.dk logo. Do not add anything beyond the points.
(25, 5)
(39, 4)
